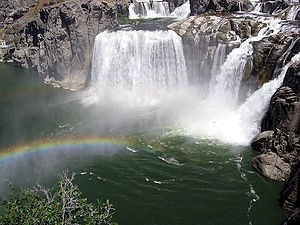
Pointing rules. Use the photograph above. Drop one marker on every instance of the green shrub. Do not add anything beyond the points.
(63, 206)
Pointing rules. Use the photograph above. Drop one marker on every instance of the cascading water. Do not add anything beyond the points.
(225, 86)
(182, 11)
(147, 9)
(151, 66)
(253, 109)
(153, 9)
(135, 60)
(293, 12)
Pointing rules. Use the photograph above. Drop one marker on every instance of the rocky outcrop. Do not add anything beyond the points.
(11, 10)
(272, 166)
(202, 6)
(274, 7)
(281, 136)
(267, 53)
(58, 39)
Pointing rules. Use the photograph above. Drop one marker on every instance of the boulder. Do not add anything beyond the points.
(263, 142)
(272, 166)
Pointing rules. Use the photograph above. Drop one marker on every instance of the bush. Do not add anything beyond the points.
(63, 206)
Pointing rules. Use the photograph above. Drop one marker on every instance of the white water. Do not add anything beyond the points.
(225, 85)
(147, 9)
(253, 109)
(155, 9)
(293, 12)
(137, 61)
(182, 11)
(146, 71)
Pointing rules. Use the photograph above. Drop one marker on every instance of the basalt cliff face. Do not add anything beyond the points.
(57, 38)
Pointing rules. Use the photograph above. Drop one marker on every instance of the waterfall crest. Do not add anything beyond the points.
(144, 9)
(135, 60)
(147, 9)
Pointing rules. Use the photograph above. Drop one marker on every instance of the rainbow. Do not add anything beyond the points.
(61, 144)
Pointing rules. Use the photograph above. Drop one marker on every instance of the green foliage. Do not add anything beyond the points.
(63, 206)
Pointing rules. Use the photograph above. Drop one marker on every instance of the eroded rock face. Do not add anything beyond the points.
(11, 10)
(281, 137)
(202, 6)
(267, 53)
(59, 40)
(283, 112)
(273, 7)
(272, 166)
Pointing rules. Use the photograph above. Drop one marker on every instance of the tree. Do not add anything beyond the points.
(46, 206)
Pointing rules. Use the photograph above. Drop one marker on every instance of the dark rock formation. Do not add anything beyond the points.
(267, 53)
(273, 7)
(272, 166)
(281, 137)
(58, 39)
(202, 6)
(11, 10)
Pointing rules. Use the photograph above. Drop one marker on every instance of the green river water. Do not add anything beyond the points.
(164, 177)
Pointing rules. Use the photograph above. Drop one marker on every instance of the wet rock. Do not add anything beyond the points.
(263, 142)
(292, 77)
(274, 7)
(267, 52)
(202, 6)
(294, 219)
(283, 112)
(272, 166)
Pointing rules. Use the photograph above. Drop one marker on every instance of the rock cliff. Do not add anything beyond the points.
(281, 137)
(57, 39)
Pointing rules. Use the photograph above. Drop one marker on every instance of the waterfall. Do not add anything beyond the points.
(147, 9)
(182, 11)
(253, 109)
(292, 14)
(135, 60)
(153, 9)
(225, 85)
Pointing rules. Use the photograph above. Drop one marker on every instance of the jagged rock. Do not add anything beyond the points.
(202, 6)
(11, 10)
(263, 142)
(267, 53)
(290, 196)
(284, 111)
(294, 219)
(283, 141)
(272, 166)
(58, 40)
(292, 77)
(274, 7)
